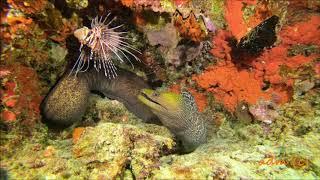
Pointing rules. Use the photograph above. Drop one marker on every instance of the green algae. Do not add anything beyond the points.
(168, 6)
(248, 11)
(154, 20)
(213, 9)
(217, 16)
(77, 4)
(303, 49)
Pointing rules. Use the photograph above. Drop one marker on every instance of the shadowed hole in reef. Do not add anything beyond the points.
(129, 167)
(155, 84)
(99, 93)
(215, 85)
(4, 127)
(266, 85)
(63, 7)
(3, 174)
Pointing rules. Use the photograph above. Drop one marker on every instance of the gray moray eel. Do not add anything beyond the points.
(67, 100)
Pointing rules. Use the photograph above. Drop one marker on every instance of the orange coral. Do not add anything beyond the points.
(10, 102)
(139, 5)
(221, 48)
(262, 12)
(269, 64)
(189, 27)
(67, 28)
(16, 24)
(21, 91)
(234, 17)
(307, 32)
(49, 151)
(127, 3)
(180, 3)
(231, 84)
(77, 132)
(29, 6)
(139, 19)
(8, 116)
(19, 23)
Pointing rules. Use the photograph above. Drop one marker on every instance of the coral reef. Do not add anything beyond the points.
(77, 4)
(189, 27)
(20, 95)
(167, 37)
(267, 78)
(262, 111)
(34, 43)
(155, 6)
(291, 35)
(141, 151)
(109, 149)
(29, 7)
(231, 86)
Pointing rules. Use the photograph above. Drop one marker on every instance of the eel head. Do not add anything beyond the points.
(179, 113)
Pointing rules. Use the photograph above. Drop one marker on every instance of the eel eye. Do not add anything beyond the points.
(155, 93)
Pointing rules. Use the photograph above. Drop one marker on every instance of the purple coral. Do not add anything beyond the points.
(264, 111)
(208, 23)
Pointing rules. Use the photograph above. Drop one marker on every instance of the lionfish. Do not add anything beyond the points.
(104, 42)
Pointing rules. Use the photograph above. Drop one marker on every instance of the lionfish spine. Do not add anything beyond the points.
(103, 42)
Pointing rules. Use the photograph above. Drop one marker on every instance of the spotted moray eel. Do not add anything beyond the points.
(68, 99)
(179, 113)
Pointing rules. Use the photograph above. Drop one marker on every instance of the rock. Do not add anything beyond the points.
(167, 36)
(129, 145)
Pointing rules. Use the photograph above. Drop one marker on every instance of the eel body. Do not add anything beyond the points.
(67, 101)
(179, 113)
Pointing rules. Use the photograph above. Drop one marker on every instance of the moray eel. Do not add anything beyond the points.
(179, 113)
(67, 101)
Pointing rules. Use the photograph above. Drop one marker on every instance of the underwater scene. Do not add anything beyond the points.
(160, 89)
